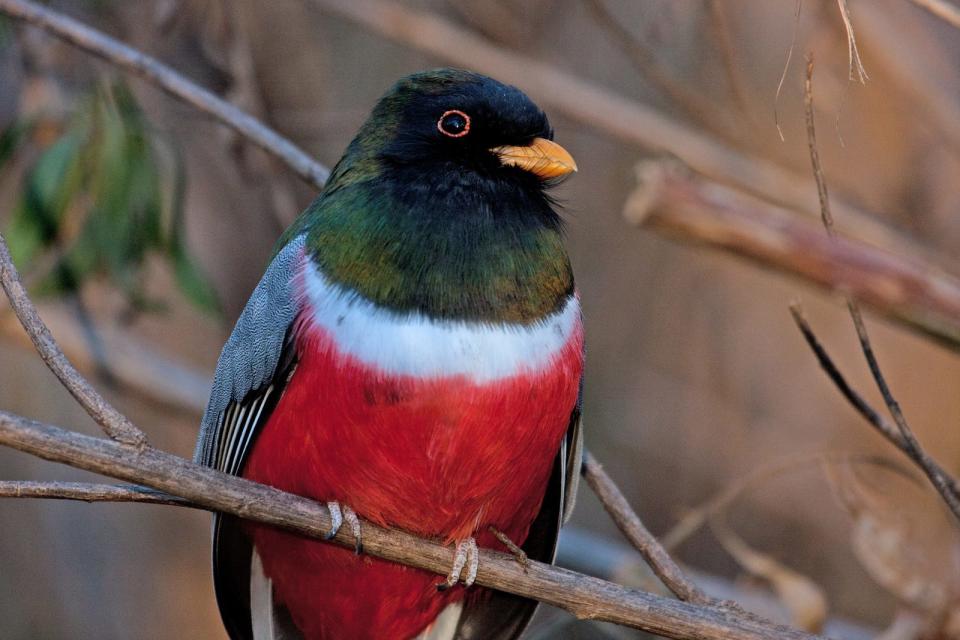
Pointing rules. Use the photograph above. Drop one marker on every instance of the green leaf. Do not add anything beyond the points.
(196, 287)
(102, 199)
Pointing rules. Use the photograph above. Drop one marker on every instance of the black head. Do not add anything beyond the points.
(449, 119)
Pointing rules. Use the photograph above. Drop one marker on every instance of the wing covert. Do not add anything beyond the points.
(254, 360)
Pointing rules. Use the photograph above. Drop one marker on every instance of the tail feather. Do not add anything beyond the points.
(269, 619)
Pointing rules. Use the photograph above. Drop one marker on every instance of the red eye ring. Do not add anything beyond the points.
(454, 112)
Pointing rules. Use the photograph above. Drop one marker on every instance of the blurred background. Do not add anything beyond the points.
(142, 227)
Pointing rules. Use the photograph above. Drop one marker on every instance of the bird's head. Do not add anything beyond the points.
(439, 204)
(463, 127)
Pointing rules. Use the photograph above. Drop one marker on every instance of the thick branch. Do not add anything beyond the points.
(691, 209)
(584, 596)
(114, 423)
(669, 572)
(947, 12)
(175, 84)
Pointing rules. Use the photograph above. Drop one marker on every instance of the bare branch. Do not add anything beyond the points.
(942, 9)
(691, 209)
(134, 365)
(112, 421)
(945, 485)
(584, 596)
(173, 83)
(88, 492)
(627, 521)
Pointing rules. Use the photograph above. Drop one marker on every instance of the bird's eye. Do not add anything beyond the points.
(454, 123)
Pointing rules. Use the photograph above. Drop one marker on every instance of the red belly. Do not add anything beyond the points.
(441, 457)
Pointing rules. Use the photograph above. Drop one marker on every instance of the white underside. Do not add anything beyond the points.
(413, 344)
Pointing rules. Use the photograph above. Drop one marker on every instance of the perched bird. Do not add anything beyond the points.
(413, 355)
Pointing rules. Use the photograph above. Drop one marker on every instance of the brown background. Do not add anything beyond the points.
(696, 374)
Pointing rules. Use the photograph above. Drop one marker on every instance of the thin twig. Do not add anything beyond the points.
(170, 81)
(584, 596)
(696, 517)
(113, 423)
(721, 32)
(944, 484)
(856, 70)
(786, 68)
(88, 492)
(944, 10)
(627, 521)
(650, 68)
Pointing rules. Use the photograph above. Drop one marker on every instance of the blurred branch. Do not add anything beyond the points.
(157, 73)
(695, 104)
(133, 365)
(584, 596)
(113, 423)
(945, 485)
(627, 521)
(691, 209)
(695, 518)
(917, 75)
(721, 33)
(615, 116)
(942, 9)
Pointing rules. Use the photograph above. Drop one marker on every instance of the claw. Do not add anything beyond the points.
(336, 519)
(465, 556)
(519, 554)
(350, 517)
(339, 515)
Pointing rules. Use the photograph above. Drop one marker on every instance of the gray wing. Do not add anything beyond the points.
(249, 363)
(254, 366)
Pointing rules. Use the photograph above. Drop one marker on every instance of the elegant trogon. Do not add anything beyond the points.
(413, 355)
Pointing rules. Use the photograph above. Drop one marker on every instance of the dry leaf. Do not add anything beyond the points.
(901, 533)
(801, 595)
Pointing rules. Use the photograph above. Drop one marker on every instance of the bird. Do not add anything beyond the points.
(412, 356)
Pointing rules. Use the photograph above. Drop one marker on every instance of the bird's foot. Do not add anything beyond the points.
(340, 514)
(519, 554)
(465, 556)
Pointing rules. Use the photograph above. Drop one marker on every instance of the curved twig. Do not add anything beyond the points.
(908, 443)
(114, 423)
(669, 572)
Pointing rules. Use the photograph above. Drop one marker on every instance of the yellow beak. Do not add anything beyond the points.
(542, 157)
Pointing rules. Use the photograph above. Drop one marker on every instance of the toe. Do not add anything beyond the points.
(350, 517)
(336, 519)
